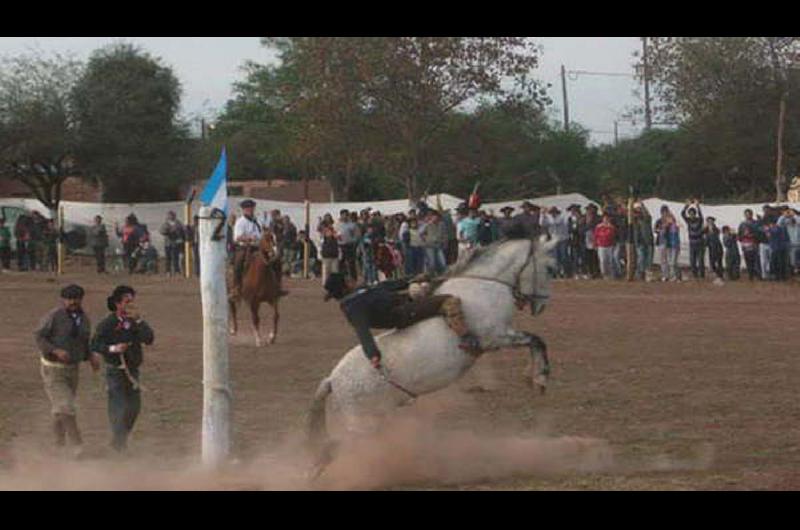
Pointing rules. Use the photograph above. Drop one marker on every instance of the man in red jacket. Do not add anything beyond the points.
(604, 236)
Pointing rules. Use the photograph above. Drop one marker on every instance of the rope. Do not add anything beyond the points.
(124, 367)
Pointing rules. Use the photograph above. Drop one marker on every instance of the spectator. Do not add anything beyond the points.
(49, 239)
(528, 220)
(604, 237)
(146, 256)
(5, 245)
(174, 238)
(289, 241)
(556, 225)
(130, 233)
(575, 250)
(366, 250)
(434, 236)
(733, 262)
(765, 259)
(642, 240)
(330, 252)
(711, 237)
(416, 248)
(693, 217)
(748, 232)
(347, 232)
(451, 238)
(36, 254)
(506, 222)
(668, 238)
(778, 238)
(22, 232)
(467, 230)
(486, 229)
(789, 221)
(98, 242)
(591, 258)
(298, 251)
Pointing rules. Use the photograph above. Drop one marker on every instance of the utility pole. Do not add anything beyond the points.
(648, 118)
(203, 129)
(564, 93)
(616, 132)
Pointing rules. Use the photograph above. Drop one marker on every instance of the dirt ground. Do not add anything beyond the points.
(654, 386)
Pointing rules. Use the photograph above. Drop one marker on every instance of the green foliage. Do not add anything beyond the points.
(129, 139)
(726, 92)
(37, 130)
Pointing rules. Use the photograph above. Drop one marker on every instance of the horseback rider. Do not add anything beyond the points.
(246, 237)
(395, 304)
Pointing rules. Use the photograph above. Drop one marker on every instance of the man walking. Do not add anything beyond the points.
(63, 341)
(98, 241)
(119, 338)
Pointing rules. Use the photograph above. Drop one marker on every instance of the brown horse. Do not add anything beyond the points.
(260, 283)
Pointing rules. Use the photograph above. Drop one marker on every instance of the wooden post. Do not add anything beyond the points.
(216, 438)
(60, 243)
(187, 245)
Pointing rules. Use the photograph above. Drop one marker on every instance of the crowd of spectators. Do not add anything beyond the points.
(370, 246)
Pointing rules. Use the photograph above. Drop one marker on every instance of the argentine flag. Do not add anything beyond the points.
(215, 194)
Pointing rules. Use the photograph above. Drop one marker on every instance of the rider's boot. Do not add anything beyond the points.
(454, 317)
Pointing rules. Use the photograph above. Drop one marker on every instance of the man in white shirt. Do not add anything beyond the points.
(246, 235)
(555, 223)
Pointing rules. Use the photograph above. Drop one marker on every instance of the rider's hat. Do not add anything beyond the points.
(247, 203)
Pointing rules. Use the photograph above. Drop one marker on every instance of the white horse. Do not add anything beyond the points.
(426, 357)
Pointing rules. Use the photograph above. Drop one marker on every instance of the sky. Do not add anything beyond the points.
(208, 66)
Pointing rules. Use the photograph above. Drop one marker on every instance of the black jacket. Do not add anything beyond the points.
(111, 330)
(374, 305)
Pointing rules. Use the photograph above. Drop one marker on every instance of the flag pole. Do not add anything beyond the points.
(217, 397)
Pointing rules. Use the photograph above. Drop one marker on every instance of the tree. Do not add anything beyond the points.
(129, 137)
(383, 102)
(739, 82)
(37, 129)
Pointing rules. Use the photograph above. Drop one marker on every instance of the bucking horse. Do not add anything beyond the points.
(426, 357)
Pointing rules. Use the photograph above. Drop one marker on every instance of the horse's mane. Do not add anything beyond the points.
(475, 256)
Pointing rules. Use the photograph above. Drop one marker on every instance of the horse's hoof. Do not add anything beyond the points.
(272, 339)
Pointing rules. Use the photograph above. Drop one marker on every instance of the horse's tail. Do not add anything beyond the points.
(317, 431)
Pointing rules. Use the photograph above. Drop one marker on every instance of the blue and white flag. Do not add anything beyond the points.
(215, 194)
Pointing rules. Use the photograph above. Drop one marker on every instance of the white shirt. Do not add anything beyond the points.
(246, 227)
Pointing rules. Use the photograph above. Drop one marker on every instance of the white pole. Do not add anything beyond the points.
(216, 391)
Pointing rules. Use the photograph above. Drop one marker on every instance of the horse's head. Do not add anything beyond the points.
(267, 247)
(534, 280)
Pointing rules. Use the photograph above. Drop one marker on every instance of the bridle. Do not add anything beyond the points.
(519, 297)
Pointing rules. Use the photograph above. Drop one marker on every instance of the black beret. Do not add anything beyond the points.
(71, 292)
(247, 203)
